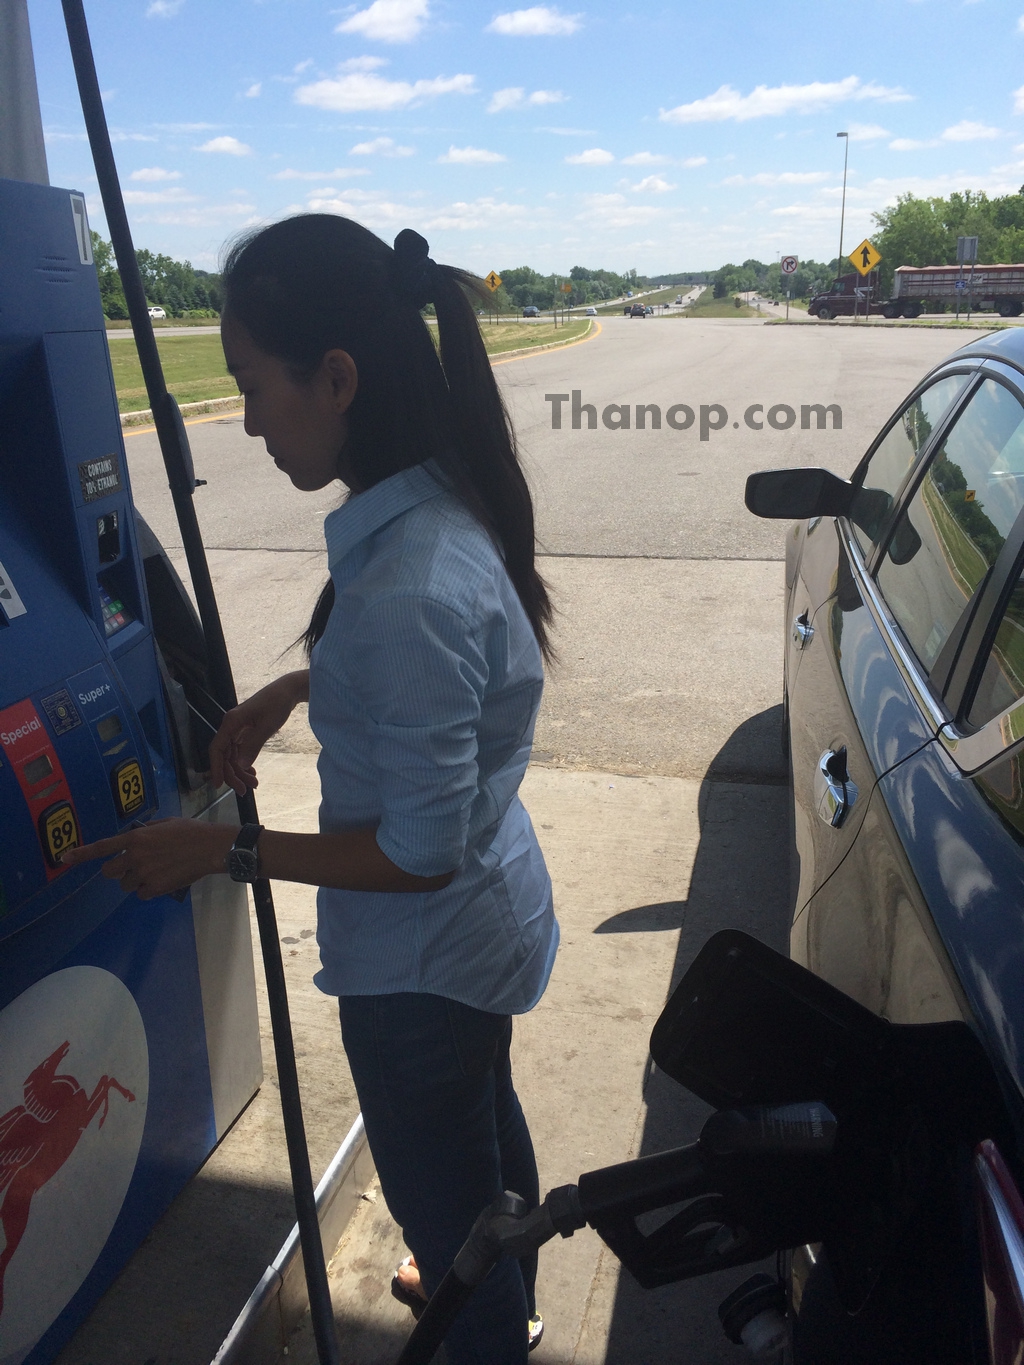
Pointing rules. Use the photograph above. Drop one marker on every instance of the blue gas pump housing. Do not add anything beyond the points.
(128, 1030)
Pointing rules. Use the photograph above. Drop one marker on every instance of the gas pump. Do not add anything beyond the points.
(129, 1037)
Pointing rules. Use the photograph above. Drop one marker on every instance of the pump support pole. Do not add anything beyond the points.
(178, 464)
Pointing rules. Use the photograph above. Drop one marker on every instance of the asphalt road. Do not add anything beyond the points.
(669, 592)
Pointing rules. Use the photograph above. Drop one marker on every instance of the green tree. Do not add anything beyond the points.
(111, 293)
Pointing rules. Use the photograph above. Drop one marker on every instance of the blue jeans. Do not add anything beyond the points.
(447, 1134)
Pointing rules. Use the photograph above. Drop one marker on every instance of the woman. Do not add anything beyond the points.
(435, 921)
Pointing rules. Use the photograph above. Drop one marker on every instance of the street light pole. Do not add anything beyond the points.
(842, 211)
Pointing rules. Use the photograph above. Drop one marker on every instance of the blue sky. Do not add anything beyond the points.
(659, 137)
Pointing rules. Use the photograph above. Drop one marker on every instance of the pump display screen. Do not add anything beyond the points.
(108, 728)
(37, 768)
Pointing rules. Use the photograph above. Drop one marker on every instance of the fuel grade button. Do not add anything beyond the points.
(129, 788)
(58, 830)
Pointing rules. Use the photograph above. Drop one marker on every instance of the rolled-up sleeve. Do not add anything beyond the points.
(419, 670)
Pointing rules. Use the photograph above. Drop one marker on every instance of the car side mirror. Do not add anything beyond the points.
(794, 494)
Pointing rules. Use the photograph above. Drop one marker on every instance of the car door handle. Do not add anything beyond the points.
(803, 631)
(835, 791)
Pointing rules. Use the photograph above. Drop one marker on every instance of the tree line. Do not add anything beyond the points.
(924, 231)
(522, 287)
(175, 286)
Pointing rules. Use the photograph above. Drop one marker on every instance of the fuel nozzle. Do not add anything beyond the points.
(807, 1129)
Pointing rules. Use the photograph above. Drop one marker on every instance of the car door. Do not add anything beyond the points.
(839, 672)
(924, 919)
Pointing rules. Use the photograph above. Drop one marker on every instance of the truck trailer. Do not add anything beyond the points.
(998, 287)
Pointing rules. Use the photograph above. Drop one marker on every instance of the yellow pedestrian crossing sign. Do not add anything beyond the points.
(865, 257)
(492, 280)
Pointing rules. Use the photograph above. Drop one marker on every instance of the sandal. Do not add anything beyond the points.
(416, 1302)
(535, 1328)
(412, 1300)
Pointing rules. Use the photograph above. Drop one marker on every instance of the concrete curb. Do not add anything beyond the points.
(144, 417)
(277, 1304)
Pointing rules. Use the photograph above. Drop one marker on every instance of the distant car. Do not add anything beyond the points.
(531, 312)
(637, 311)
(649, 312)
(591, 312)
(157, 313)
(679, 298)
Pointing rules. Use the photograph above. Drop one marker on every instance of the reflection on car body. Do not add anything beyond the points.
(904, 674)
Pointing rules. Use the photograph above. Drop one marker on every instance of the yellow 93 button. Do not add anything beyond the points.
(129, 788)
(59, 829)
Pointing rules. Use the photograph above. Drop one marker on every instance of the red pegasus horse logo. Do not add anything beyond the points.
(37, 1137)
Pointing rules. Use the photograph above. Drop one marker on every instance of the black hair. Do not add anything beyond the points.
(317, 282)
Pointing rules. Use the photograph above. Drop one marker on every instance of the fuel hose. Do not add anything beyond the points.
(177, 459)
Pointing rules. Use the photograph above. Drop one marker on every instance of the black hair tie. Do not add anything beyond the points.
(415, 274)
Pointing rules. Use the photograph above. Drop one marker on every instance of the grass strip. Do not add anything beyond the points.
(195, 370)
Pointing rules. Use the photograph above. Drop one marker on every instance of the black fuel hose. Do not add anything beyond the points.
(177, 459)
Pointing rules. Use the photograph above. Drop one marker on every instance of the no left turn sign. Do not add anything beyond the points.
(788, 265)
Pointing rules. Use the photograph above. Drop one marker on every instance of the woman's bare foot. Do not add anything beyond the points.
(408, 1276)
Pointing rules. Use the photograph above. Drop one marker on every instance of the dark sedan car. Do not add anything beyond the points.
(904, 700)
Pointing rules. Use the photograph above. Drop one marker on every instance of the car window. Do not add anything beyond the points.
(889, 464)
(952, 530)
(1002, 682)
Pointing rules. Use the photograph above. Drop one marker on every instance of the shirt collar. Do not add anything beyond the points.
(364, 513)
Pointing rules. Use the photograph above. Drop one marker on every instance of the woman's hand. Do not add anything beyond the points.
(161, 857)
(246, 728)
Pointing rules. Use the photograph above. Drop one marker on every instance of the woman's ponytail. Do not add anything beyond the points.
(317, 282)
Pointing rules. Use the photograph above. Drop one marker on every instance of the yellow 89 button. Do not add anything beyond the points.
(129, 788)
(59, 830)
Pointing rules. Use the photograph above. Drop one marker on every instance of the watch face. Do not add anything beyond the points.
(242, 864)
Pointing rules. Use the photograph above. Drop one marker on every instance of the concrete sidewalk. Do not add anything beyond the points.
(645, 869)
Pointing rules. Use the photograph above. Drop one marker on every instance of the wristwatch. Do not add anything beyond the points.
(243, 860)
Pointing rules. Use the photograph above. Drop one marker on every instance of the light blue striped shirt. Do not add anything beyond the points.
(423, 692)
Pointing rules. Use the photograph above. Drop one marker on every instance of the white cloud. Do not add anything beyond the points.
(203, 216)
(228, 145)
(782, 178)
(966, 131)
(866, 132)
(515, 97)
(153, 173)
(771, 101)
(469, 156)
(380, 146)
(909, 144)
(652, 184)
(358, 64)
(388, 21)
(1020, 24)
(254, 91)
(164, 9)
(1018, 100)
(359, 90)
(593, 156)
(568, 132)
(645, 159)
(339, 173)
(174, 195)
(512, 97)
(692, 162)
(540, 21)
(616, 211)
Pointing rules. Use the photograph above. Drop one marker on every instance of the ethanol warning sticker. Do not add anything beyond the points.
(100, 477)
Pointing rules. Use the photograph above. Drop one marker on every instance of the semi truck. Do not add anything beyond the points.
(998, 287)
